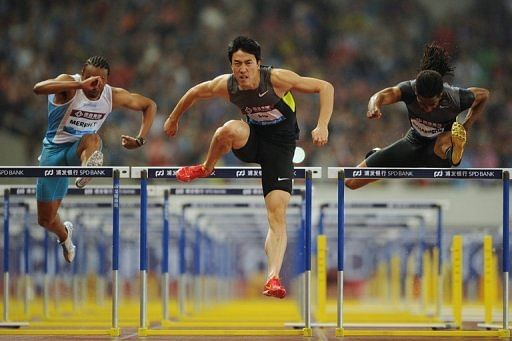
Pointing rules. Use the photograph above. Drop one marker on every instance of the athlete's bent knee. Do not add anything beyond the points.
(44, 219)
(226, 133)
(92, 139)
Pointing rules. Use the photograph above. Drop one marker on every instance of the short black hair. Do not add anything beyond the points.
(429, 83)
(98, 61)
(245, 44)
(436, 58)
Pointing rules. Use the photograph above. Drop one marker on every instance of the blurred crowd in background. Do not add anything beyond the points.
(162, 48)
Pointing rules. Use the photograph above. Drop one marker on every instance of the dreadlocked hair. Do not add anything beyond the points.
(436, 58)
(99, 62)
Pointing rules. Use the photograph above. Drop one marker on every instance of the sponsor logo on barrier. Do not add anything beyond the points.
(11, 172)
(162, 173)
(357, 173)
(48, 172)
(252, 191)
(254, 172)
(484, 174)
(92, 172)
(200, 191)
(240, 173)
(438, 174)
(407, 174)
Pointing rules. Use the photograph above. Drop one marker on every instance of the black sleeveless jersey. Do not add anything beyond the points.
(271, 116)
(453, 101)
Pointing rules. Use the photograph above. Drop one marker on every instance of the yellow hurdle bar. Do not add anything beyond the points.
(488, 280)
(436, 282)
(396, 287)
(321, 277)
(457, 280)
(426, 281)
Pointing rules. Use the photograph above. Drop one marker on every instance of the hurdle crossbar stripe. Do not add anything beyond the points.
(95, 191)
(221, 172)
(55, 171)
(107, 205)
(225, 191)
(415, 173)
(385, 204)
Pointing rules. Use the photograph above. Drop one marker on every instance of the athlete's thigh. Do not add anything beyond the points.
(249, 152)
(72, 158)
(401, 153)
(430, 159)
(276, 166)
(52, 188)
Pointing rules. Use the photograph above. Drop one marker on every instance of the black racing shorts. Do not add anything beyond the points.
(413, 150)
(275, 159)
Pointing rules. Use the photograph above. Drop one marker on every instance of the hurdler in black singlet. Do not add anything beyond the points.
(274, 130)
(416, 149)
(453, 101)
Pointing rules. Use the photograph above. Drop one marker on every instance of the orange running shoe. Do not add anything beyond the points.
(274, 288)
(189, 173)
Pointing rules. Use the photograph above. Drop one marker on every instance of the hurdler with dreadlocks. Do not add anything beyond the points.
(77, 107)
(435, 139)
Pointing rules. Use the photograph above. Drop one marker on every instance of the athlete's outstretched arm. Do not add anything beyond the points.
(285, 80)
(121, 98)
(64, 86)
(217, 87)
(481, 97)
(383, 97)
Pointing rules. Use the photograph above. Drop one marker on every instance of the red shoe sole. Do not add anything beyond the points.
(278, 293)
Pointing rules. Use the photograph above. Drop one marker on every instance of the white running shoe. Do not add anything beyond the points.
(68, 248)
(96, 159)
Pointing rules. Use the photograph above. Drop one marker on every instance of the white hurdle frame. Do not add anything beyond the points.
(341, 174)
(143, 173)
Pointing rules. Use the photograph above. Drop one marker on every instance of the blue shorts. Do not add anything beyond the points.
(65, 154)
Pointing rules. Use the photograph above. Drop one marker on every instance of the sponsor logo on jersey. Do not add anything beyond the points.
(95, 116)
(426, 128)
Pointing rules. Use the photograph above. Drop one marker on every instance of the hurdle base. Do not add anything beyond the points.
(490, 326)
(47, 332)
(13, 325)
(340, 332)
(435, 326)
(224, 332)
(115, 331)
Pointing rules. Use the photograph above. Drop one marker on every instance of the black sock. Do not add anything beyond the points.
(448, 154)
